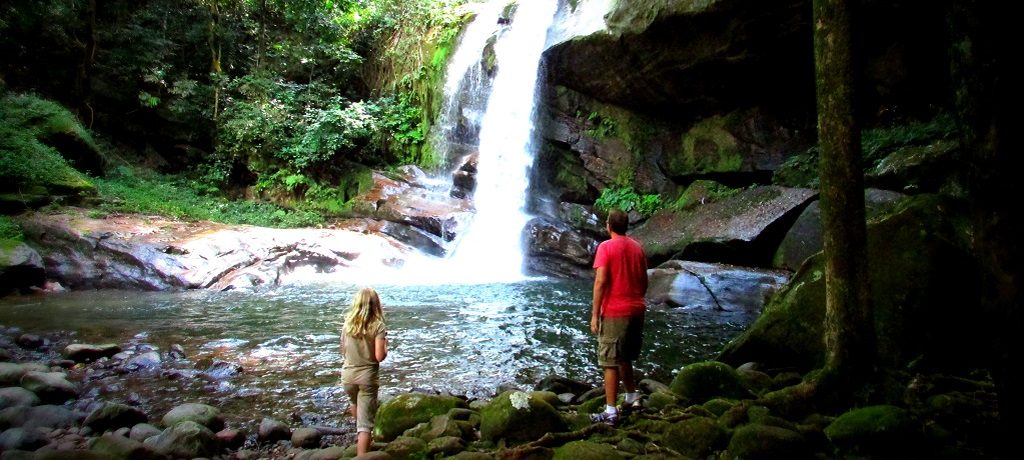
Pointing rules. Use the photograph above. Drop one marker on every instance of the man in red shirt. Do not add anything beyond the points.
(617, 317)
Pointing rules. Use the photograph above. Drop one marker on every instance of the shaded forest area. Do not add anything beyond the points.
(287, 101)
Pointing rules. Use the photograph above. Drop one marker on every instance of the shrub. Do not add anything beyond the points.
(627, 199)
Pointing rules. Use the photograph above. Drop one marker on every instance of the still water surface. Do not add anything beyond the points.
(463, 339)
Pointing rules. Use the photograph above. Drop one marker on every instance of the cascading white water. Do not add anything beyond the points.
(491, 250)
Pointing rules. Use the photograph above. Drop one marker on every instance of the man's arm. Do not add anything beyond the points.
(600, 287)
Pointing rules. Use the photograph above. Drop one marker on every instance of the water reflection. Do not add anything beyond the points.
(466, 339)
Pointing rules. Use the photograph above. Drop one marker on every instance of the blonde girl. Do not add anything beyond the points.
(364, 344)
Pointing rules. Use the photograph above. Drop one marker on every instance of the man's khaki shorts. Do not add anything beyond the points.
(619, 340)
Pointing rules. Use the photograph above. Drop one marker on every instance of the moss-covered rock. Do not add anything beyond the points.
(587, 449)
(408, 410)
(920, 276)
(766, 442)
(718, 406)
(518, 417)
(592, 405)
(702, 381)
(696, 437)
(882, 429)
(661, 400)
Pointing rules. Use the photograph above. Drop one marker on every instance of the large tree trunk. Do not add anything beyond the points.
(987, 90)
(215, 53)
(849, 328)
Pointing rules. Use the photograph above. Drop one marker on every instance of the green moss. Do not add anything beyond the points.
(26, 159)
(702, 192)
(518, 417)
(708, 147)
(700, 382)
(696, 437)
(757, 441)
(586, 449)
(882, 428)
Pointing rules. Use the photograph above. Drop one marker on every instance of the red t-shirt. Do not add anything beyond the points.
(627, 270)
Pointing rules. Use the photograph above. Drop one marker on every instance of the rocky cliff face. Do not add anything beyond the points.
(658, 94)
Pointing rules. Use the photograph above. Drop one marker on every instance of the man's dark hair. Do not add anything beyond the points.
(618, 221)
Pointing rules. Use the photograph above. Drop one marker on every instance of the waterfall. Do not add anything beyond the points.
(491, 248)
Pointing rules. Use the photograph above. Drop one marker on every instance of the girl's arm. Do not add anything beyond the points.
(380, 348)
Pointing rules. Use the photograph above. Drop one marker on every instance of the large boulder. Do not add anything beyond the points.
(554, 248)
(921, 279)
(86, 352)
(517, 417)
(110, 416)
(804, 238)
(716, 287)
(151, 253)
(408, 410)
(743, 229)
(21, 267)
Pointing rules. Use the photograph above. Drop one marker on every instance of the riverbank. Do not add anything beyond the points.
(54, 406)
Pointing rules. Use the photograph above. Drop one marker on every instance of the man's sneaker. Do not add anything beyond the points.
(635, 406)
(607, 418)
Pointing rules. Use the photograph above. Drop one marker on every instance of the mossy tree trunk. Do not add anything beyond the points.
(849, 330)
(987, 93)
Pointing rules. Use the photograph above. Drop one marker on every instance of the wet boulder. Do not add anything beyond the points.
(186, 439)
(51, 387)
(207, 416)
(714, 287)
(554, 248)
(110, 416)
(86, 352)
(271, 430)
(17, 396)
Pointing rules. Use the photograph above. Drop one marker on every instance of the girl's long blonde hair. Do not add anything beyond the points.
(365, 314)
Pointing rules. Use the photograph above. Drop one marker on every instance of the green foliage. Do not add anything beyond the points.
(10, 230)
(600, 127)
(801, 170)
(879, 142)
(25, 159)
(627, 199)
(128, 191)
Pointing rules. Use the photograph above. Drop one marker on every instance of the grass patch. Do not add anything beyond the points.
(140, 192)
(10, 230)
